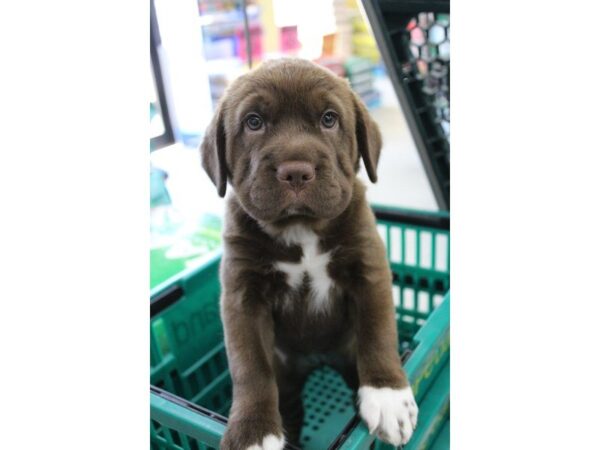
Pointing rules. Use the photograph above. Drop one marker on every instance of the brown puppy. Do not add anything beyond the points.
(304, 273)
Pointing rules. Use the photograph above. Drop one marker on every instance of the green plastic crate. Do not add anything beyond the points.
(191, 387)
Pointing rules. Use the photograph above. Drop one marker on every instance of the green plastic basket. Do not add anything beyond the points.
(191, 387)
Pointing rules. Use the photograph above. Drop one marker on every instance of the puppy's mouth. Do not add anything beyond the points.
(298, 211)
(297, 204)
(290, 216)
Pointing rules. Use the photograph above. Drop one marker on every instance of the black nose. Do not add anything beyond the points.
(296, 173)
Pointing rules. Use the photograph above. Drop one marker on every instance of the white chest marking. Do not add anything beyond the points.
(313, 263)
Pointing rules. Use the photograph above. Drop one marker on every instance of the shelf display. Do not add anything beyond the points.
(277, 29)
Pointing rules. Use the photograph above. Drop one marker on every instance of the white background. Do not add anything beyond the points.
(74, 237)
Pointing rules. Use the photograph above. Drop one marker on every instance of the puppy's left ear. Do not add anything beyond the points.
(368, 138)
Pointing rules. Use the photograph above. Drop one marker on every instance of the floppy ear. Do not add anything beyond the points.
(212, 150)
(368, 138)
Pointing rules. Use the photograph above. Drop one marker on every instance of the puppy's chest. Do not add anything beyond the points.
(308, 279)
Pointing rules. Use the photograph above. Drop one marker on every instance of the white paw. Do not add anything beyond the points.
(270, 442)
(390, 413)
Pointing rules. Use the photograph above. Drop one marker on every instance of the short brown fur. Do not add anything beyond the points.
(262, 315)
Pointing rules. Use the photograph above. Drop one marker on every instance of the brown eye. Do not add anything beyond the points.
(254, 122)
(329, 119)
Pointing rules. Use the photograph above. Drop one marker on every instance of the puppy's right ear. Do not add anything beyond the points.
(368, 138)
(212, 150)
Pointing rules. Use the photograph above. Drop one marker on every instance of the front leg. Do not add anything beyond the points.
(254, 419)
(386, 400)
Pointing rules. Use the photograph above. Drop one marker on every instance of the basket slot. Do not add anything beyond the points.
(216, 354)
(212, 394)
(164, 438)
(442, 256)
(155, 356)
(423, 305)
(424, 245)
(408, 300)
(396, 296)
(409, 310)
(159, 343)
(422, 248)
(168, 385)
(168, 437)
(395, 249)
(201, 377)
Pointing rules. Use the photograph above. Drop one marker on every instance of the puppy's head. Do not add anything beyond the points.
(288, 137)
